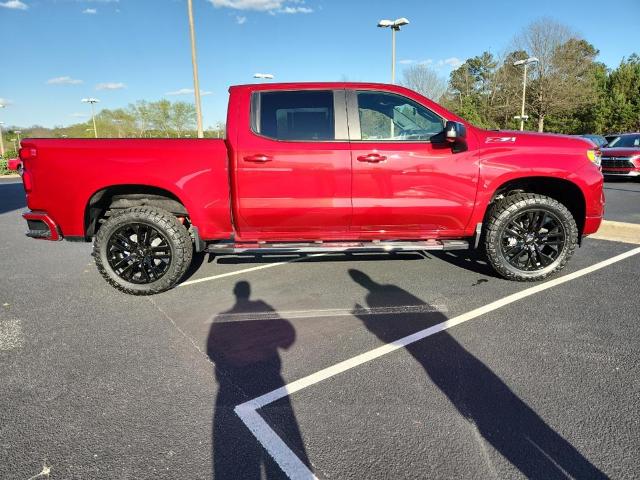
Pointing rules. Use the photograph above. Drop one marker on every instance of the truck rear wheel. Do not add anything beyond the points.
(529, 237)
(142, 250)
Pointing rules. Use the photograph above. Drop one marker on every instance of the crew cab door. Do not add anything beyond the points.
(293, 166)
(407, 180)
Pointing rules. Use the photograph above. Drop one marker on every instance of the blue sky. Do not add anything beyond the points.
(56, 52)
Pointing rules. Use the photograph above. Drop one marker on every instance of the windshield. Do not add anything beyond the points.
(626, 141)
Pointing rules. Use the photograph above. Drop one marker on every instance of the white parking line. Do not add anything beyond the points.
(327, 312)
(247, 270)
(288, 461)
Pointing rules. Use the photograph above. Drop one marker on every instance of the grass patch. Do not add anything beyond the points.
(3, 168)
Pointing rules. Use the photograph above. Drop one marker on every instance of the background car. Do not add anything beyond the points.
(611, 137)
(15, 164)
(622, 156)
(598, 140)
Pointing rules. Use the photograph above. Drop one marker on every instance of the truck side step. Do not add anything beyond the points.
(347, 247)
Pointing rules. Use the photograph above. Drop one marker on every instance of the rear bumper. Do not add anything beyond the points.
(41, 226)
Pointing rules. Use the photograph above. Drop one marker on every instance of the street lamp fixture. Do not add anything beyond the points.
(526, 62)
(263, 76)
(92, 102)
(394, 25)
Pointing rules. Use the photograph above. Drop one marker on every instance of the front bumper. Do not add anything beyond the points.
(621, 172)
(41, 226)
(591, 225)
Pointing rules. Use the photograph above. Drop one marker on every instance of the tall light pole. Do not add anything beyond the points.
(395, 26)
(524, 62)
(194, 61)
(18, 132)
(92, 101)
(1, 141)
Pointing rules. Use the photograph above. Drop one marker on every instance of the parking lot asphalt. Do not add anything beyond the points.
(623, 200)
(98, 384)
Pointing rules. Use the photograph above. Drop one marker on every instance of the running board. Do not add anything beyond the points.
(345, 247)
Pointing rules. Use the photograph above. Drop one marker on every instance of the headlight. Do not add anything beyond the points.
(594, 156)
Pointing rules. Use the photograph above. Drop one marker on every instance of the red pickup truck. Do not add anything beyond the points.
(308, 167)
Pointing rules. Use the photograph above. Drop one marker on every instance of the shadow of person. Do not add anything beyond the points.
(244, 345)
(479, 395)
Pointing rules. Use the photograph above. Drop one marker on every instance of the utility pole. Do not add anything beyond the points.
(194, 61)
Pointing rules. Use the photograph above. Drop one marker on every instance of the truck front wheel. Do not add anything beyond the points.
(142, 250)
(530, 236)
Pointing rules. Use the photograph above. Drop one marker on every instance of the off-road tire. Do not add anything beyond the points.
(177, 236)
(509, 208)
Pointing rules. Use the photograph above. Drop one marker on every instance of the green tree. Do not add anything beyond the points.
(563, 79)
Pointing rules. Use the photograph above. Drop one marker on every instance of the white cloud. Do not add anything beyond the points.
(427, 61)
(292, 10)
(14, 5)
(271, 6)
(5, 102)
(187, 91)
(453, 62)
(63, 81)
(90, 11)
(260, 5)
(240, 20)
(110, 86)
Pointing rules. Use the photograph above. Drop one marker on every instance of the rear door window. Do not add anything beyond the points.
(306, 115)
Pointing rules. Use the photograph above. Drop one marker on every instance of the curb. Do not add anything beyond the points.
(618, 232)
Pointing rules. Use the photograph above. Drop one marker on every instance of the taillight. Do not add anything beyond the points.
(27, 153)
(26, 181)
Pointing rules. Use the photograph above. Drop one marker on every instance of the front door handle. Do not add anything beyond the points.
(372, 158)
(259, 158)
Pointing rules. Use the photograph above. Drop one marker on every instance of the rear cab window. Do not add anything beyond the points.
(304, 115)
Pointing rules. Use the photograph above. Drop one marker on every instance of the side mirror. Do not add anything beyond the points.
(455, 132)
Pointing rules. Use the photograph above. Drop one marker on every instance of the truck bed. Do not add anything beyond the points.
(63, 175)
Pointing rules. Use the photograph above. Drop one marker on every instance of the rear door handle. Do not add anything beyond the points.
(372, 158)
(259, 158)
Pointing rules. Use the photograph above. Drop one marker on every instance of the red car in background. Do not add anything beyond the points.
(15, 164)
(622, 156)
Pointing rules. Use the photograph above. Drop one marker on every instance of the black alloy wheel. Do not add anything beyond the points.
(143, 250)
(533, 240)
(139, 253)
(529, 236)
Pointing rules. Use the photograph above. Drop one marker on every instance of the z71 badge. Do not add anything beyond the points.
(500, 139)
